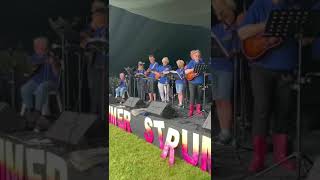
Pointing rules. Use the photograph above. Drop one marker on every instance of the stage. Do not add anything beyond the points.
(228, 163)
(21, 155)
(187, 134)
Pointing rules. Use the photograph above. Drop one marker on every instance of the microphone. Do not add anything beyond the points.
(56, 46)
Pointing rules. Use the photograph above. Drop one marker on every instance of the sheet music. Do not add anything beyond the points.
(220, 45)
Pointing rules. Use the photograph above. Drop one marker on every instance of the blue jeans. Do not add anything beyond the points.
(179, 87)
(40, 91)
(120, 91)
(223, 85)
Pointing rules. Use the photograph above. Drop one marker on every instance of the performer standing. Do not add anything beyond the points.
(97, 60)
(152, 82)
(223, 67)
(195, 84)
(139, 74)
(163, 84)
(271, 78)
(180, 84)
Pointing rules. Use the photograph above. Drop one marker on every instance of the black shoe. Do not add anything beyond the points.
(222, 140)
(43, 124)
(31, 119)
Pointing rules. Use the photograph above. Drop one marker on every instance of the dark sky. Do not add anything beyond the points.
(21, 20)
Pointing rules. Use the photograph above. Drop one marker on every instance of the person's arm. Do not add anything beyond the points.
(188, 69)
(37, 61)
(252, 24)
(251, 30)
(54, 64)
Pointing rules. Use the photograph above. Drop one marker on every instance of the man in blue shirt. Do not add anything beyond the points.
(316, 42)
(271, 80)
(42, 81)
(152, 82)
(139, 75)
(222, 67)
(96, 66)
(163, 84)
(195, 84)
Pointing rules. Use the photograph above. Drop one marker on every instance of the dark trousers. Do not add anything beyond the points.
(95, 82)
(195, 93)
(272, 96)
(141, 88)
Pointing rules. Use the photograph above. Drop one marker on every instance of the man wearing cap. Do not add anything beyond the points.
(139, 74)
(152, 82)
(96, 61)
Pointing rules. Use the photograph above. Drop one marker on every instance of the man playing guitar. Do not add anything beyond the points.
(163, 83)
(195, 84)
(271, 78)
(44, 79)
(152, 82)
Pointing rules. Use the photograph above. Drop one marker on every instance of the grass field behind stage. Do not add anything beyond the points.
(133, 158)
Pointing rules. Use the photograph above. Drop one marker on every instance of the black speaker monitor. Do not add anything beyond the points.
(162, 109)
(9, 120)
(207, 123)
(133, 102)
(71, 127)
(314, 173)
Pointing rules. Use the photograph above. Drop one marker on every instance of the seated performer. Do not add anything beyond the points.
(139, 74)
(152, 82)
(163, 84)
(122, 88)
(195, 84)
(271, 79)
(223, 66)
(44, 79)
(180, 84)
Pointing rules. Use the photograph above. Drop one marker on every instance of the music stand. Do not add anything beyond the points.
(173, 76)
(203, 68)
(65, 32)
(131, 77)
(284, 24)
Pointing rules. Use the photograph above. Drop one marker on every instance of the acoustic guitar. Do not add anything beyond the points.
(158, 75)
(34, 70)
(257, 46)
(191, 76)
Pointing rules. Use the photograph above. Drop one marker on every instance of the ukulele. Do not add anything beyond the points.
(158, 75)
(258, 45)
(191, 76)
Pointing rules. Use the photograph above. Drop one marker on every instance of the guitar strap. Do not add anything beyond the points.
(154, 65)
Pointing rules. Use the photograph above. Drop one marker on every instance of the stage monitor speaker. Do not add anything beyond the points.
(207, 123)
(9, 120)
(162, 109)
(71, 127)
(314, 173)
(112, 100)
(133, 102)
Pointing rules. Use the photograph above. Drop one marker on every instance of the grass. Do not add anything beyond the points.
(133, 158)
